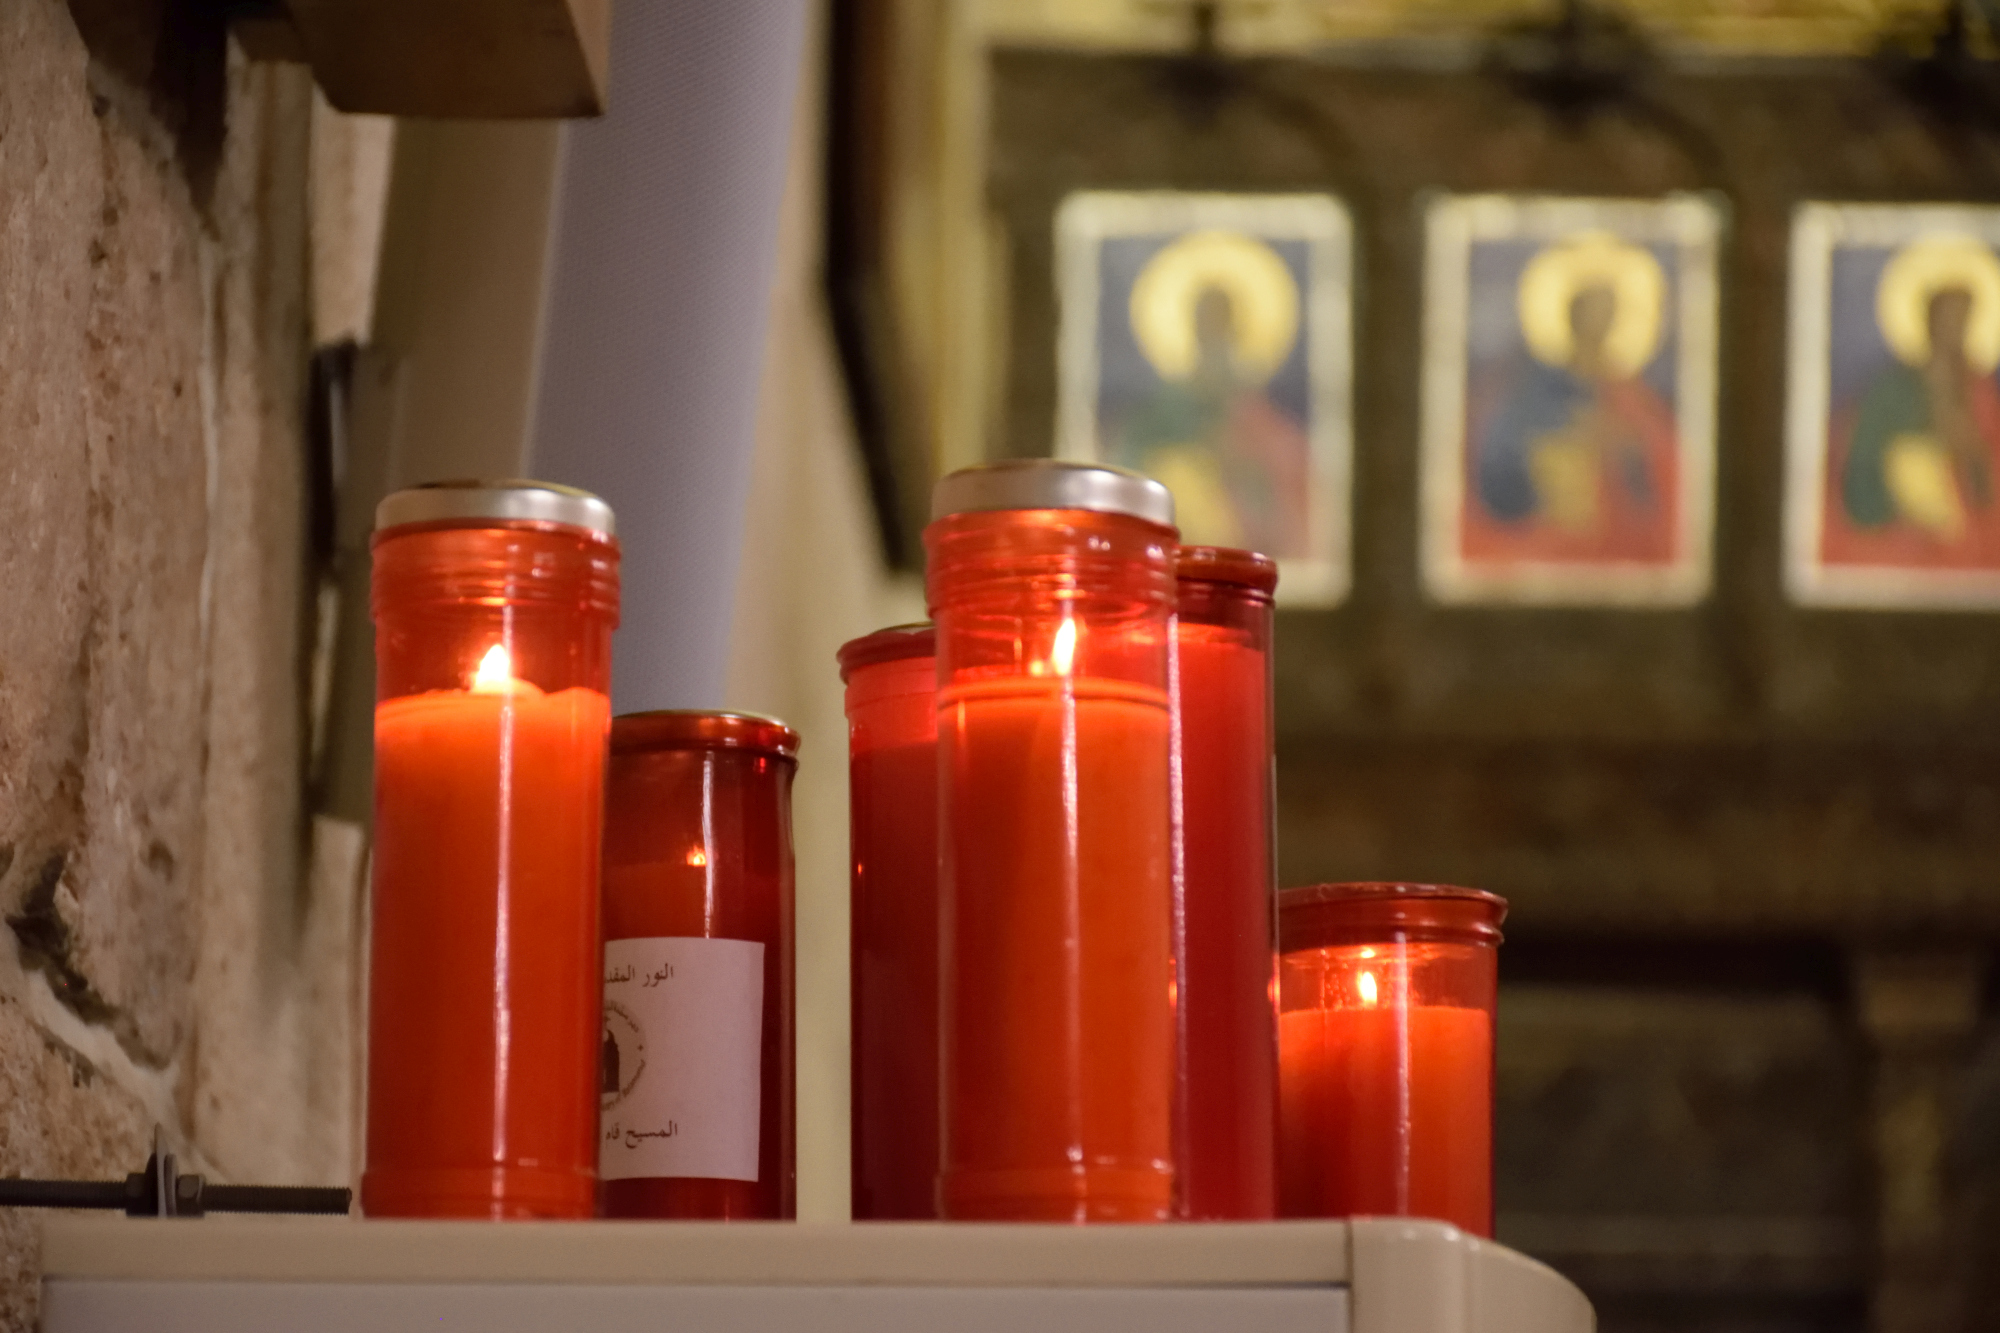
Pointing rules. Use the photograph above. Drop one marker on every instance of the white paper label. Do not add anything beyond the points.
(681, 1060)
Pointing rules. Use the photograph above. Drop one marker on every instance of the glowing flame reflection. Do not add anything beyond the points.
(1062, 654)
(495, 674)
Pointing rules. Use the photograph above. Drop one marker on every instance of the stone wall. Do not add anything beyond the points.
(172, 957)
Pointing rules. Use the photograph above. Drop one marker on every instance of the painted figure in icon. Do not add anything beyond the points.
(1575, 456)
(1917, 452)
(1217, 314)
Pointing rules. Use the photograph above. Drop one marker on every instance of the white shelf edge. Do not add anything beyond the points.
(706, 1253)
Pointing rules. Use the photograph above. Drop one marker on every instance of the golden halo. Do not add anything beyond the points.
(1263, 300)
(1553, 278)
(1922, 269)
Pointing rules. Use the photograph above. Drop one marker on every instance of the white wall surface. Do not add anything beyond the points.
(655, 329)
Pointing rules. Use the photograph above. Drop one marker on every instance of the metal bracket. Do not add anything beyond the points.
(161, 1191)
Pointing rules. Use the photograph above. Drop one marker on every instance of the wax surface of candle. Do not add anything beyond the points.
(1387, 1111)
(722, 881)
(1230, 1077)
(1058, 1105)
(893, 794)
(485, 943)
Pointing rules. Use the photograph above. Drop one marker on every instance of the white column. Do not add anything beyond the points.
(664, 250)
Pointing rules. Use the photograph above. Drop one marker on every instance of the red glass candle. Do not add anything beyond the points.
(1052, 586)
(494, 605)
(891, 679)
(697, 1068)
(1385, 1030)
(1228, 1049)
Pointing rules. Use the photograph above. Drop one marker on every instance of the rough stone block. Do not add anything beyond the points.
(59, 1118)
(102, 701)
(154, 329)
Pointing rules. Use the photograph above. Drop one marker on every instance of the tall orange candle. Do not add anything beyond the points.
(891, 678)
(494, 605)
(1228, 1080)
(1052, 589)
(1386, 1052)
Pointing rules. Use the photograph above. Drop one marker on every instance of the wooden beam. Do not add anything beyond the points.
(479, 59)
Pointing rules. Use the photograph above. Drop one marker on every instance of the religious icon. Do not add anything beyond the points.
(1204, 341)
(1569, 399)
(1892, 492)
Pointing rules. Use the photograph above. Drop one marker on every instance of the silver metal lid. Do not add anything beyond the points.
(1044, 483)
(531, 501)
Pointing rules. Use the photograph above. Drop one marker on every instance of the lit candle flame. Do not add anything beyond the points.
(697, 856)
(495, 674)
(1367, 984)
(1062, 654)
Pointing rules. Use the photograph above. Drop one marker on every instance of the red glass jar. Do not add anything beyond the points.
(494, 604)
(1052, 586)
(1386, 997)
(891, 679)
(1228, 1074)
(698, 973)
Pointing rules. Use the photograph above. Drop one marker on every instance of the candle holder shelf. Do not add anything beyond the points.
(1367, 1275)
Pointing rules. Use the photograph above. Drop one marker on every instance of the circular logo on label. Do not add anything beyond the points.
(623, 1056)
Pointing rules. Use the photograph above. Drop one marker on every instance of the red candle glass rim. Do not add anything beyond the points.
(381, 535)
(1378, 912)
(1223, 564)
(693, 729)
(894, 644)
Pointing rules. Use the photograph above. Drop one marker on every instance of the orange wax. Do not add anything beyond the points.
(1055, 934)
(1228, 1070)
(894, 983)
(1385, 1110)
(485, 985)
(1052, 587)
(1387, 993)
(892, 802)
